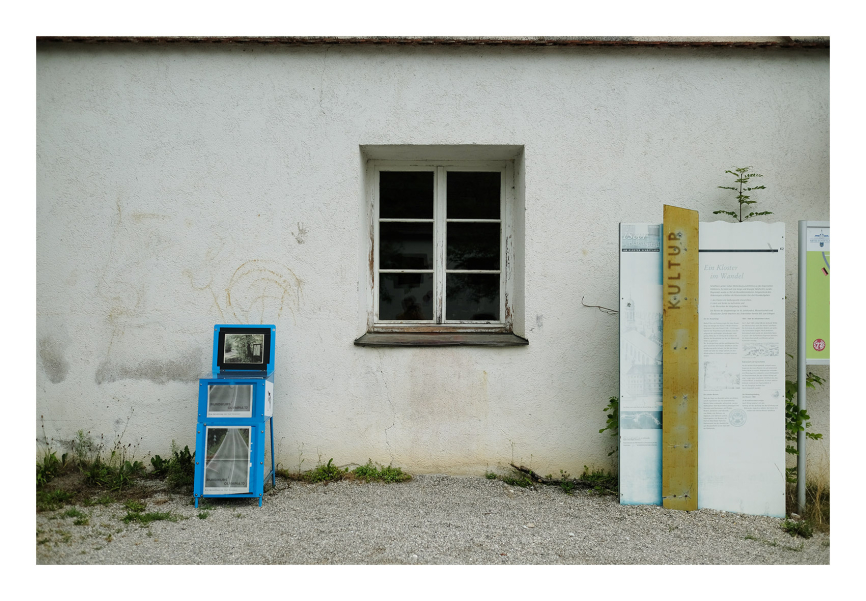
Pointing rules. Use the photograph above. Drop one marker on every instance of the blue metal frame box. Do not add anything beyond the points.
(235, 415)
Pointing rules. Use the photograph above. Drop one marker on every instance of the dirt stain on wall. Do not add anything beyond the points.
(184, 368)
(51, 357)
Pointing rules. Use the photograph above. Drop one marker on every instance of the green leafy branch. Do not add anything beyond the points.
(742, 177)
(797, 420)
(612, 419)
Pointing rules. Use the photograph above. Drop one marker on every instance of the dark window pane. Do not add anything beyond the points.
(406, 296)
(473, 246)
(406, 194)
(472, 296)
(406, 245)
(473, 195)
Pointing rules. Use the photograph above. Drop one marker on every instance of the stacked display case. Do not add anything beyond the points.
(234, 431)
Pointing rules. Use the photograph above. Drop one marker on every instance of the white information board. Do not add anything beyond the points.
(741, 415)
(640, 369)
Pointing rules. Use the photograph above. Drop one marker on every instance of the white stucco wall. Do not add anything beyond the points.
(183, 186)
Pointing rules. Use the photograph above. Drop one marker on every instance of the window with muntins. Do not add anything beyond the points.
(440, 247)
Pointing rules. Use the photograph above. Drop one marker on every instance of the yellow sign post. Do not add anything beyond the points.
(680, 270)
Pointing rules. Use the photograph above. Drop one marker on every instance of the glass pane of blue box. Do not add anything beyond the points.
(234, 446)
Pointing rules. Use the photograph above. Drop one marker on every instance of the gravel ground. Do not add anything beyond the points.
(430, 520)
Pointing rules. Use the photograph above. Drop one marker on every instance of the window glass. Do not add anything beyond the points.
(406, 245)
(406, 194)
(472, 296)
(473, 246)
(406, 296)
(439, 251)
(473, 195)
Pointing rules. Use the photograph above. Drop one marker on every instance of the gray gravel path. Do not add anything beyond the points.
(430, 520)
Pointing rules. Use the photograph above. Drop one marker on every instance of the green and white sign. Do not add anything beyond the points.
(817, 295)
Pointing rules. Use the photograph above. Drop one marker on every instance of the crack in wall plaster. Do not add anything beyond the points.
(390, 402)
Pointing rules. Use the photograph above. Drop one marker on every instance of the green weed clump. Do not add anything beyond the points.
(518, 479)
(145, 519)
(325, 473)
(601, 480)
(801, 528)
(114, 474)
(49, 468)
(74, 513)
(328, 472)
(49, 501)
(179, 470)
(370, 472)
(817, 509)
(566, 483)
(102, 500)
(135, 513)
(135, 506)
(89, 474)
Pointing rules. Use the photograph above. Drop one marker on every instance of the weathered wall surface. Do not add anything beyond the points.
(178, 187)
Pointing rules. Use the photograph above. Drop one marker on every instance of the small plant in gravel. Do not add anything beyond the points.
(202, 515)
(145, 519)
(101, 500)
(328, 472)
(49, 468)
(566, 483)
(490, 475)
(135, 513)
(801, 528)
(117, 472)
(325, 473)
(180, 471)
(518, 479)
(49, 501)
(601, 480)
(160, 466)
(135, 506)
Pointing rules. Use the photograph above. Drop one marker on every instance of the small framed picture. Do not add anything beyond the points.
(245, 349)
(230, 400)
(227, 460)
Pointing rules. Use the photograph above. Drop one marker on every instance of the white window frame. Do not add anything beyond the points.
(440, 225)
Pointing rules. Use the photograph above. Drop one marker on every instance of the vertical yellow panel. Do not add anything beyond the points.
(680, 269)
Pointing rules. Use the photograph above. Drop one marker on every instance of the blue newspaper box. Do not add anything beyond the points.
(234, 444)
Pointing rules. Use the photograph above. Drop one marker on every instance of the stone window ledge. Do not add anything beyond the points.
(439, 339)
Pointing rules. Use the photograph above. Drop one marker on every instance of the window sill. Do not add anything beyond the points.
(439, 339)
